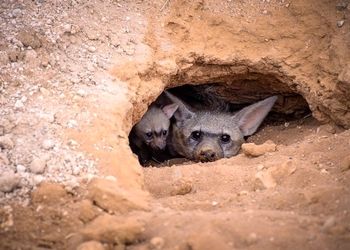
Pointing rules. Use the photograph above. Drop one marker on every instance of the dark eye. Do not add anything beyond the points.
(225, 138)
(165, 132)
(196, 135)
(149, 134)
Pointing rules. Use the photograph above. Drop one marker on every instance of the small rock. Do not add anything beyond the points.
(72, 124)
(345, 164)
(29, 38)
(72, 143)
(87, 211)
(81, 93)
(37, 179)
(75, 171)
(30, 56)
(260, 167)
(341, 5)
(49, 193)
(265, 178)
(16, 12)
(329, 223)
(44, 91)
(19, 104)
(283, 170)
(92, 49)
(157, 242)
(92, 34)
(182, 187)
(9, 181)
(48, 144)
(251, 149)
(91, 245)
(20, 168)
(71, 185)
(340, 23)
(328, 128)
(113, 229)
(6, 142)
(243, 193)
(252, 239)
(37, 166)
(115, 41)
(109, 196)
(67, 28)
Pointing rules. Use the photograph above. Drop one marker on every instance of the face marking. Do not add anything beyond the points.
(208, 136)
(151, 128)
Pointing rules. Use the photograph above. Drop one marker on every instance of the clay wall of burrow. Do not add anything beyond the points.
(244, 81)
(236, 83)
(306, 52)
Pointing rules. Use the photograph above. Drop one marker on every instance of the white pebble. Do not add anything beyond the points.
(37, 166)
(20, 168)
(72, 124)
(16, 12)
(92, 49)
(48, 144)
(81, 92)
(67, 28)
(9, 181)
(157, 242)
(19, 104)
(37, 179)
(340, 23)
(214, 203)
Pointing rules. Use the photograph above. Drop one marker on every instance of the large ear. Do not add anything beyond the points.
(250, 118)
(170, 109)
(182, 113)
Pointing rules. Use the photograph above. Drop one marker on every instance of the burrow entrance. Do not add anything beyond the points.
(229, 94)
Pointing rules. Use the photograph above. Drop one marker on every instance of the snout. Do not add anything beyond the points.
(207, 155)
(158, 144)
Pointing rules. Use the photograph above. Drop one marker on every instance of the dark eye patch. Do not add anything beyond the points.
(196, 135)
(225, 138)
(165, 132)
(149, 135)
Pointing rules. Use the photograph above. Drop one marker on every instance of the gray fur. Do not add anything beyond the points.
(213, 128)
(148, 137)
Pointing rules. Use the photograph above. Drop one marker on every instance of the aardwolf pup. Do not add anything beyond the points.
(210, 135)
(148, 137)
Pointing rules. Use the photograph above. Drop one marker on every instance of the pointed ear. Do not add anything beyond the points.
(182, 113)
(170, 109)
(250, 118)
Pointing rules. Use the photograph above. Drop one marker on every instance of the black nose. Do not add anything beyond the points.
(207, 155)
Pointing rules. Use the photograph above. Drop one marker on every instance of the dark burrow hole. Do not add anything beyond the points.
(151, 138)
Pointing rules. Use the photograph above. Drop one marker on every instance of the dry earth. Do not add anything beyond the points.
(76, 75)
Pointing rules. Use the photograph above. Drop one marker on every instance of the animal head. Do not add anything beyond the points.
(153, 128)
(208, 136)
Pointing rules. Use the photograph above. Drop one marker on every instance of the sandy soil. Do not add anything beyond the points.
(76, 75)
